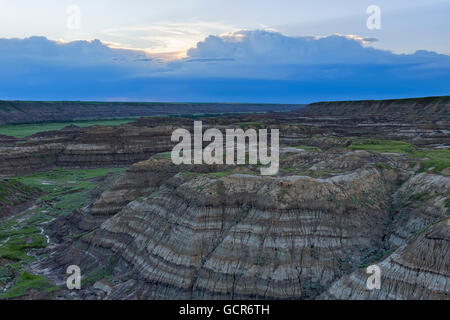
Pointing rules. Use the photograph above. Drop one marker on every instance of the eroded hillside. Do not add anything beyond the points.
(47, 111)
(349, 193)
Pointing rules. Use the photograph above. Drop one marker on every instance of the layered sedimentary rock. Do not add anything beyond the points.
(246, 236)
(35, 153)
(106, 146)
(13, 194)
(417, 270)
(46, 111)
(239, 236)
(27, 159)
(145, 178)
(200, 232)
(73, 147)
(422, 121)
(211, 232)
(141, 179)
(419, 202)
(6, 141)
(124, 145)
(428, 109)
(115, 146)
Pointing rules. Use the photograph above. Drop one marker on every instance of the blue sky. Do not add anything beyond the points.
(246, 51)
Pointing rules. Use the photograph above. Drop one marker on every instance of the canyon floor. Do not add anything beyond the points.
(360, 184)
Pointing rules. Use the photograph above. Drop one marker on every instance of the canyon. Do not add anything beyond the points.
(48, 111)
(359, 184)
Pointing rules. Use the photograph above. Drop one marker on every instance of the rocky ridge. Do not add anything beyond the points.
(167, 232)
(417, 270)
(342, 201)
(48, 111)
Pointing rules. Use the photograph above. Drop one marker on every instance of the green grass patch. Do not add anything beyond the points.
(98, 274)
(420, 197)
(383, 146)
(244, 125)
(308, 148)
(382, 165)
(430, 160)
(64, 191)
(220, 174)
(13, 192)
(372, 256)
(190, 174)
(58, 177)
(165, 155)
(16, 243)
(27, 281)
(447, 203)
(24, 130)
(436, 160)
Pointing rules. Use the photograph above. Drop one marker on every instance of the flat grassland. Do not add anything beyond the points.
(24, 130)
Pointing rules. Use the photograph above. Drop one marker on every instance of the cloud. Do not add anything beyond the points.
(254, 66)
(264, 47)
(268, 55)
(164, 36)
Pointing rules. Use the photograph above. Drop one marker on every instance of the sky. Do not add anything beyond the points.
(234, 51)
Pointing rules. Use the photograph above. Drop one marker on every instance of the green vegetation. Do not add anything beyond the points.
(308, 148)
(415, 235)
(13, 192)
(383, 146)
(66, 190)
(220, 174)
(59, 177)
(310, 173)
(98, 274)
(438, 160)
(430, 160)
(17, 242)
(304, 128)
(314, 253)
(372, 256)
(382, 165)
(434, 99)
(21, 235)
(245, 125)
(24, 130)
(197, 115)
(420, 197)
(242, 214)
(27, 281)
(165, 155)
(190, 174)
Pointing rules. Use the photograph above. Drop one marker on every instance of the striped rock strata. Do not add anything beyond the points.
(417, 270)
(419, 202)
(240, 236)
(97, 146)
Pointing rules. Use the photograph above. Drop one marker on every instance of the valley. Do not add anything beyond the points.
(359, 183)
